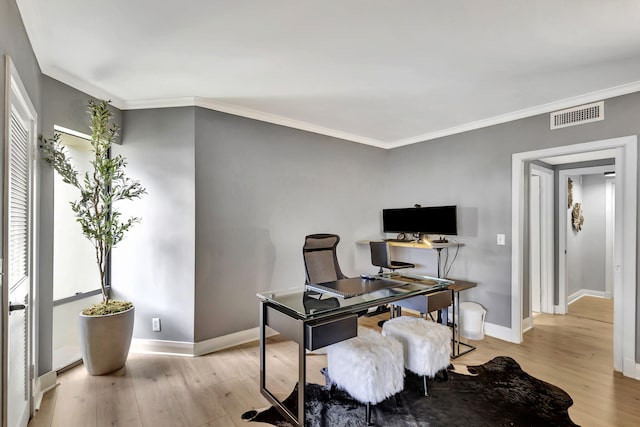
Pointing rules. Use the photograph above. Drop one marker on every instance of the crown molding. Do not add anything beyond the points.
(82, 86)
(149, 104)
(249, 113)
(521, 114)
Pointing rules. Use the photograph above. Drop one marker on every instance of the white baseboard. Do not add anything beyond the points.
(587, 292)
(171, 348)
(501, 332)
(190, 349)
(41, 385)
(630, 368)
(231, 340)
(558, 309)
(181, 348)
(527, 324)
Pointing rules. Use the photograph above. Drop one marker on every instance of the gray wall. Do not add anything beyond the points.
(579, 165)
(575, 242)
(203, 168)
(473, 170)
(15, 43)
(249, 191)
(230, 201)
(65, 106)
(260, 188)
(593, 233)
(154, 265)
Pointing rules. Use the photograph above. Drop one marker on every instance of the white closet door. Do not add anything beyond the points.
(17, 255)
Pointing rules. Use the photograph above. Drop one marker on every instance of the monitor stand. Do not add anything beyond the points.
(440, 240)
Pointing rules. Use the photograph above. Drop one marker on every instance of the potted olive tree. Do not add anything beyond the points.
(105, 328)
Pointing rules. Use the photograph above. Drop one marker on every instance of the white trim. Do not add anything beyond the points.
(563, 193)
(251, 114)
(546, 231)
(625, 249)
(212, 104)
(144, 104)
(190, 349)
(231, 340)
(517, 230)
(629, 367)
(76, 83)
(535, 251)
(625, 242)
(524, 113)
(41, 385)
(17, 99)
(164, 347)
(610, 199)
(71, 132)
(500, 332)
(527, 324)
(587, 293)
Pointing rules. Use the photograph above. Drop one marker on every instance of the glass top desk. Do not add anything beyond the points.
(319, 315)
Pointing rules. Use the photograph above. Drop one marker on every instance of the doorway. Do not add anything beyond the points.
(624, 281)
(541, 238)
(585, 247)
(19, 251)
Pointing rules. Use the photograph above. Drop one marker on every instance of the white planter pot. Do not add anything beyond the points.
(105, 341)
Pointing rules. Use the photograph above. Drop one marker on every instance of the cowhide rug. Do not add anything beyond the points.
(498, 393)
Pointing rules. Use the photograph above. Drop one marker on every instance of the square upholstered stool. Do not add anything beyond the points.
(427, 345)
(369, 367)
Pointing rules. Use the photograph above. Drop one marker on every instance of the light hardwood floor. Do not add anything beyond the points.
(573, 352)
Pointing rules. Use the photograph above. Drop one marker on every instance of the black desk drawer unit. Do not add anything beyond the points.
(330, 331)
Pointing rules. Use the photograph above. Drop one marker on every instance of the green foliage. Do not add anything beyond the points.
(100, 188)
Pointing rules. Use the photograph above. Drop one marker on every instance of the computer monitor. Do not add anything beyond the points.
(440, 220)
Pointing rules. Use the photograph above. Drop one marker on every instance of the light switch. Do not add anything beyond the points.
(500, 239)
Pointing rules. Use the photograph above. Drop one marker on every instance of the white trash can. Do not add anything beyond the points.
(472, 320)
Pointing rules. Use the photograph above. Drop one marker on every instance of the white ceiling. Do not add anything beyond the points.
(379, 72)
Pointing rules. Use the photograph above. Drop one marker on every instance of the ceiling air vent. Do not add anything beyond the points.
(577, 115)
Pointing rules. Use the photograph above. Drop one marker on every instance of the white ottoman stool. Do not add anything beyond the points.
(369, 367)
(427, 345)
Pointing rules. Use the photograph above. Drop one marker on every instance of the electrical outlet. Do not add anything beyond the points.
(155, 324)
(500, 239)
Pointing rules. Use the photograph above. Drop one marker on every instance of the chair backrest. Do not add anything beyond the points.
(320, 259)
(380, 254)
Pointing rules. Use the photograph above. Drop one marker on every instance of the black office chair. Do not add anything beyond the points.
(380, 257)
(320, 259)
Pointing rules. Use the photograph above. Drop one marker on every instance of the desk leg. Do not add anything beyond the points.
(298, 419)
(302, 374)
(456, 339)
(456, 329)
(263, 345)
